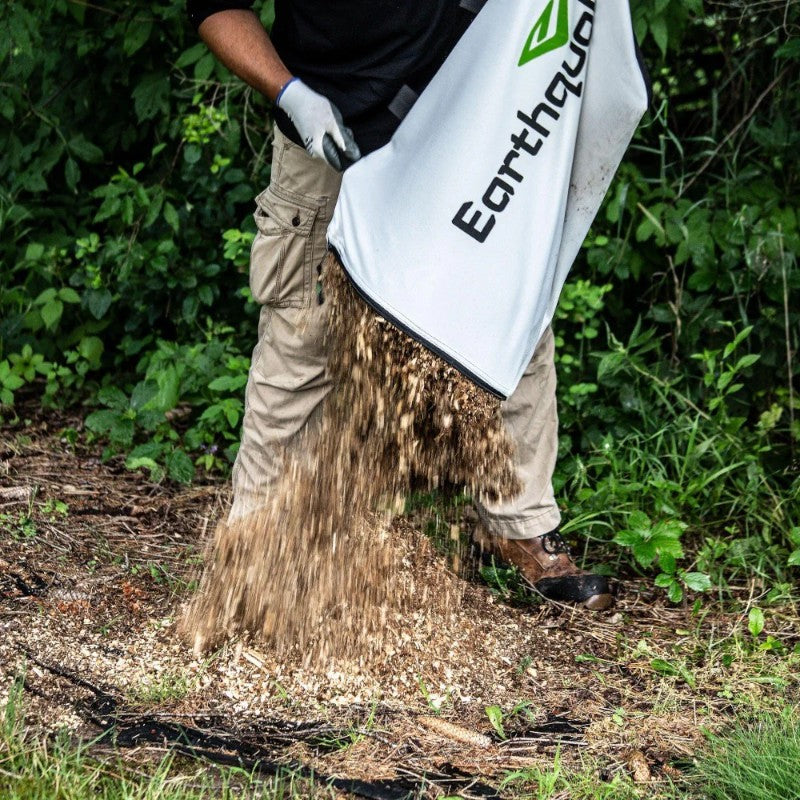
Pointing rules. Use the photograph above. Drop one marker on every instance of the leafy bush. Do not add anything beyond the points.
(126, 186)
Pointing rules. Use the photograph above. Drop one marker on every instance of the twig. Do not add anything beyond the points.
(787, 335)
(733, 131)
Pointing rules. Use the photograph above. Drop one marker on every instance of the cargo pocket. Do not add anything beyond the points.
(281, 271)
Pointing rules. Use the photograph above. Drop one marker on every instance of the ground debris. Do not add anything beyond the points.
(569, 668)
(455, 732)
(259, 749)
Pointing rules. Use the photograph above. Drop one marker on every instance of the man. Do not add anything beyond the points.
(341, 74)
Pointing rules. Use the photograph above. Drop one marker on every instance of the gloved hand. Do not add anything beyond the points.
(319, 124)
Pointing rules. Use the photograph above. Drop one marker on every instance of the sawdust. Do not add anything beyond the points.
(313, 568)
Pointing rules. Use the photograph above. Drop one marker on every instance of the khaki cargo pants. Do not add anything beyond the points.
(288, 379)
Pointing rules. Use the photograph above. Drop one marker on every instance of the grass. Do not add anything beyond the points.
(587, 783)
(170, 686)
(757, 759)
(57, 768)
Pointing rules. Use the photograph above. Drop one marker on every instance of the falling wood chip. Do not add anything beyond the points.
(312, 567)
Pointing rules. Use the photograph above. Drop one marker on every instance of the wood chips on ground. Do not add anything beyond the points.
(97, 592)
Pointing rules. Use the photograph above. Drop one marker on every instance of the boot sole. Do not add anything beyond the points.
(599, 602)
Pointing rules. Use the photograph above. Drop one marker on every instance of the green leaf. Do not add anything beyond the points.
(91, 348)
(232, 413)
(46, 296)
(204, 67)
(152, 450)
(794, 559)
(789, 49)
(609, 365)
(189, 307)
(663, 667)
(113, 397)
(724, 379)
(644, 553)
(72, 173)
(659, 32)
(180, 467)
(205, 294)
(34, 251)
(77, 11)
(98, 302)
(666, 545)
(495, 715)
(101, 421)
(675, 592)
(151, 96)
(138, 462)
(667, 563)
(121, 433)
(755, 621)
(737, 340)
(171, 216)
(51, 313)
(13, 382)
(228, 383)
(68, 295)
(670, 527)
(191, 153)
(697, 581)
(169, 385)
(84, 150)
(136, 34)
(663, 580)
(143, 393)
(747, 361)
(639, 521)
(190, 56)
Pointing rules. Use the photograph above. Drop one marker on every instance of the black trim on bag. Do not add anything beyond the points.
(645, 72)
(406, 330)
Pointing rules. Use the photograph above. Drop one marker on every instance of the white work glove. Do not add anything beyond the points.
(319, 124)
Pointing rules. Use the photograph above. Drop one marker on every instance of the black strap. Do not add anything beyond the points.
(403, 101)
(473, 6)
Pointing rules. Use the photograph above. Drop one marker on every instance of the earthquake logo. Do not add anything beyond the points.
(540, 39)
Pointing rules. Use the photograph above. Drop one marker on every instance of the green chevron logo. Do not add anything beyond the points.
(545, 37)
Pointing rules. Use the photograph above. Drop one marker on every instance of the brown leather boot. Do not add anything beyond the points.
(545, 563)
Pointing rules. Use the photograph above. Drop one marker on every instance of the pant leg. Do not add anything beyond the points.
(531, 418)
(287, 380)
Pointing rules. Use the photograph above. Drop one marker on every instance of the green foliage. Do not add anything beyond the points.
(660, 542)
(126, 186)
(555, 781)
(129, 148)
(688, 416)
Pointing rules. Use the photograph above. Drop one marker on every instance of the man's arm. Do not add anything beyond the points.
(238, 39)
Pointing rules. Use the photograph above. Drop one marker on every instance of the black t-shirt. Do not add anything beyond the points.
(358, 53)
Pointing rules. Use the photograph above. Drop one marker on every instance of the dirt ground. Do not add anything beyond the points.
(95, 562)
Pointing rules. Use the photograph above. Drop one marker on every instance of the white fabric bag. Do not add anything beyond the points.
(463, 228)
